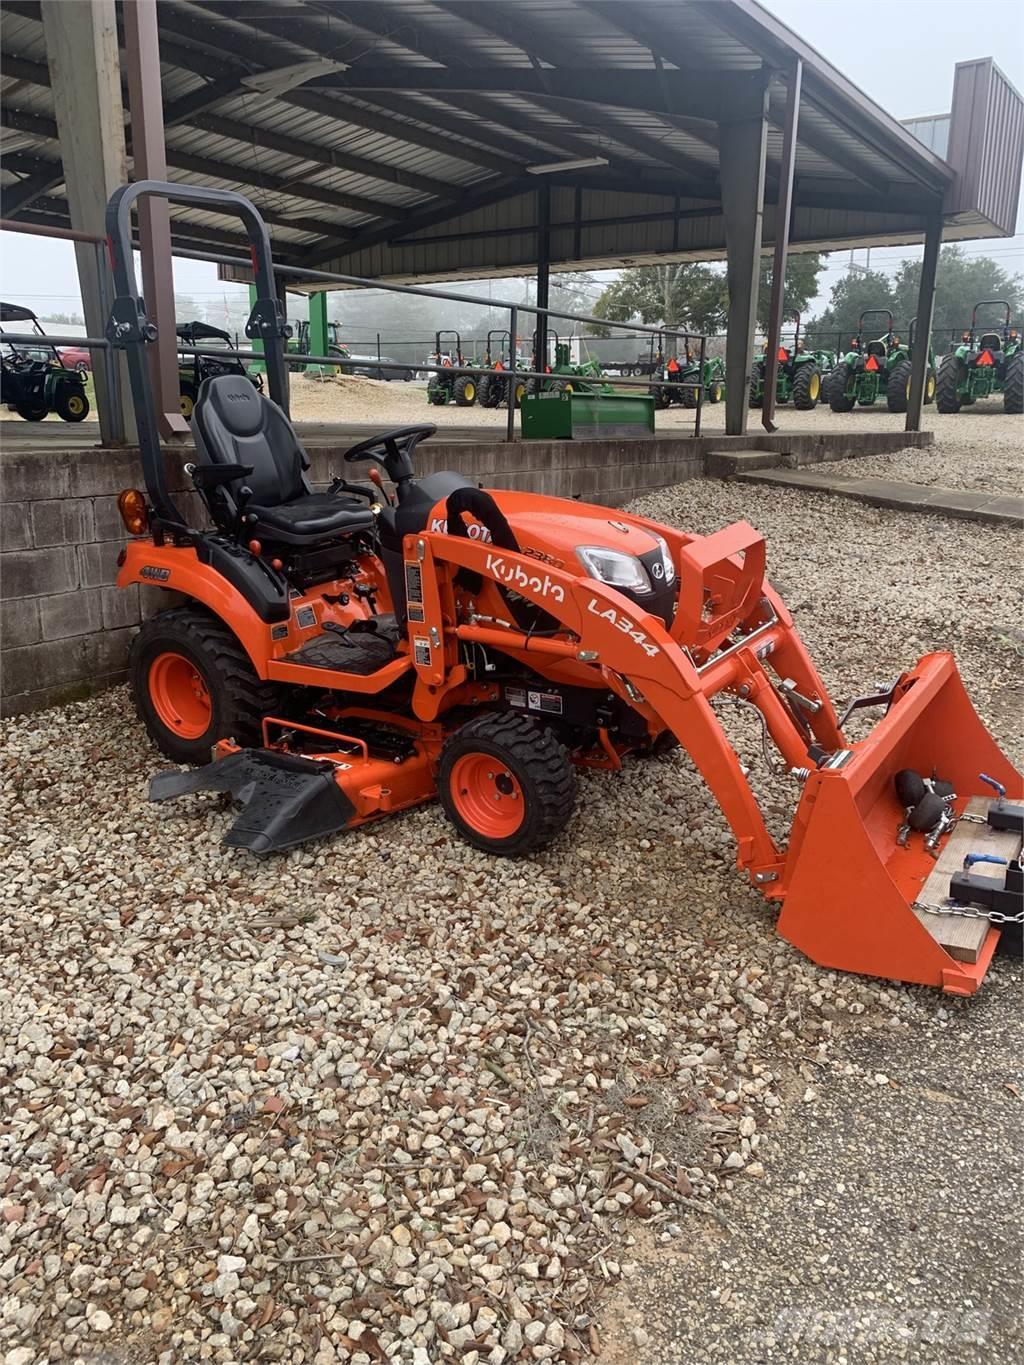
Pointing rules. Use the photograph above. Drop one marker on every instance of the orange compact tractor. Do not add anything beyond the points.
(349, 653)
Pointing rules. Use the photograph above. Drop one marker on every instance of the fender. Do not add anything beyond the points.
(178, 568)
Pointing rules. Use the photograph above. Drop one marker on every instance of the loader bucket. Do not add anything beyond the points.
(848, 887)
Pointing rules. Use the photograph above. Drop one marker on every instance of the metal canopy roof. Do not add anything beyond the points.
(407, 156)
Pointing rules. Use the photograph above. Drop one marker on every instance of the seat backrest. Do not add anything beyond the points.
(990, 341)
(233, 423)
(876, 348)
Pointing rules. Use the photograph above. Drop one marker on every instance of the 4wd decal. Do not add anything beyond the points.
(155, 573)
(624, 624)
(474, 530)
(514, 576)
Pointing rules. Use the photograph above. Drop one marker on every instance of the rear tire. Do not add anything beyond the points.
(187, 401)
(946, 385)
(1013, 385)
(193, 685)
(506, 784)
(897, 390)
(756, 398)
(688, 395)
(806, 387)
(465, 391)
(837, 398)
(32, 412)
(662, 397)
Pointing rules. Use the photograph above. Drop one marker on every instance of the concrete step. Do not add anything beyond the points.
(727, 464)
(967, 504)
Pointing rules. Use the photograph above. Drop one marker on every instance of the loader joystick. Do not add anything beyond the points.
(393, 450)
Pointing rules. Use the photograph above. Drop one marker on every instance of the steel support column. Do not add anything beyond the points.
(256, 343)
(742, 136)
(783, 214)
(149, 156)
(318, 339)
(923, 326)
(85, 76)
(543, 273)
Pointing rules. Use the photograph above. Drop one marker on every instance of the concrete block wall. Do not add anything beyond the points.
(66, 628)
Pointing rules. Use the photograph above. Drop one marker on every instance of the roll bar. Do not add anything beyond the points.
(130, 329)
(1002, 303)
(875, 313)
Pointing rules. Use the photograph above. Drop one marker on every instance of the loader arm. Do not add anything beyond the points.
(637, 656)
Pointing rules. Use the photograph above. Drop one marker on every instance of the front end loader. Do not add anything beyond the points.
(350, 653)
(985, 363)
(679, 380)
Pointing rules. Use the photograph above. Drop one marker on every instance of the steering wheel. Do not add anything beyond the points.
(401, 441)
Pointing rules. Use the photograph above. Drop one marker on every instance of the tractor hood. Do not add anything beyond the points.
(555, 529)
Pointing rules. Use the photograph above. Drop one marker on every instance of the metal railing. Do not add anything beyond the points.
(512, 374)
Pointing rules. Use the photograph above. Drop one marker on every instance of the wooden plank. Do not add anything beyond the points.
(960, 935)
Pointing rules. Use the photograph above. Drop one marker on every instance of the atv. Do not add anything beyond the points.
(350, 653)
(34, 380)
(991, 362)
(494, 384)
(193, 369)
(800, 375)
(872, 369)
(454, 380)
(679, 379)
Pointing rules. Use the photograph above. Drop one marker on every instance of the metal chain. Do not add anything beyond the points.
(968, 912)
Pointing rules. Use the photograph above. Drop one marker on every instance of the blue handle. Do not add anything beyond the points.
(973, 858)
(997, 787)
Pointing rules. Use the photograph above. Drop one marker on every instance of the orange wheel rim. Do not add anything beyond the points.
(180, 696)
(487, 796)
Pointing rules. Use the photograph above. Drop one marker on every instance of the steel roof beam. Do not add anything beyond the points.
(299, 34)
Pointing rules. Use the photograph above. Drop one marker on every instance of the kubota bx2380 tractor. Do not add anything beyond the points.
(349, 653)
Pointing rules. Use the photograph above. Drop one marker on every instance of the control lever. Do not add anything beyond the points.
(244, 497)
(374, 476)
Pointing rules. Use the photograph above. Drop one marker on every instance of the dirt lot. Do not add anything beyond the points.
(386, 1098)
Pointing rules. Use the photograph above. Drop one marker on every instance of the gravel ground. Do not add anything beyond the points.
(386, 1098)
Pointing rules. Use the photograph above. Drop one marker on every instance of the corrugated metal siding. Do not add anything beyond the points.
(986, 144)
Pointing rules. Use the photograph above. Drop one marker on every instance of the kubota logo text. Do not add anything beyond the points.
(624, 624)
(514, 576)
(474, 530)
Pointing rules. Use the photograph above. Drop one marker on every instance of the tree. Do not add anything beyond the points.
(852, 295)
(802, 271)
(962, 281)
(682, 296)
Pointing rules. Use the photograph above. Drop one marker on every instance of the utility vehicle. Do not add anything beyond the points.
(193, 369)
(34, 381)
(346, 654)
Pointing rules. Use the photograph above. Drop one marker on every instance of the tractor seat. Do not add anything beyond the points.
(233, 423)
(990, 341)
(877, 348)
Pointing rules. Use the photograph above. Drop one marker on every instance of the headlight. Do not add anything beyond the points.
(668, 574)
(613, 567)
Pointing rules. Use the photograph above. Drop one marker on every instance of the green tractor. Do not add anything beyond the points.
(679, 379)
(564, 376)
(454, 381)
(983, 364)
(801, 375)
(871, 370)
(494, 384)
(34, 381)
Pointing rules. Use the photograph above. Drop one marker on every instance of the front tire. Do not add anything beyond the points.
(506, 784)
(806, 387)
(193, 685)
(187, 401)
(72, 405)
(1013, 385)
(947, 398)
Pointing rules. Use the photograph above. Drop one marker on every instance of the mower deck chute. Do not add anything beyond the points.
(352, 653)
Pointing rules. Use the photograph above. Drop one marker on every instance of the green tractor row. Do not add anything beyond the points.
(983, 364)
(801, 374)
(876, 369)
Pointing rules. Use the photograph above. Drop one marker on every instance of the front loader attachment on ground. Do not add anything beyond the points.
(850, 886)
